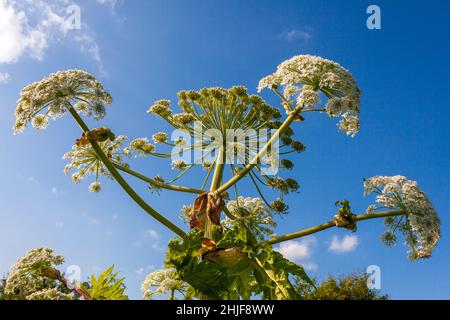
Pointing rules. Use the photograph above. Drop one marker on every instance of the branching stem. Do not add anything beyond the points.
(330, 224)
(158, 183)
(121, 181)
(244, 171)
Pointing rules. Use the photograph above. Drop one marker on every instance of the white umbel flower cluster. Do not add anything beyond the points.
(52, 96)
(49, 294)
(252, 213)
(85, 161)
(421, 227)
(161, 282)
(304, 77)
(30, 273)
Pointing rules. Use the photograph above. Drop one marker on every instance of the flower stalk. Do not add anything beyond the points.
(253, 163)
(77, 290)
(157, 183)
(121, 181)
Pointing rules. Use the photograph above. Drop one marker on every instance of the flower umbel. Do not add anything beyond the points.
(303, 77)
(85, 160)
(33, 273)
(252, 213)
(420, 225)
(53, 95)
(161, 282)
(49, 294)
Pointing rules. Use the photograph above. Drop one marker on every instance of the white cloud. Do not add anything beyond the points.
(34, 181)
(111, 3)
(152, 234)
(59, 225)
(156, 246)
(54, 191)
(309, 266)
(18, 37)
(92, 221)
(29, 27)
(140, 271)
(90, 46)
(346, 244)
(138, 243)
(4, 76)
(297, 34)
(143, 270)
(298, 250)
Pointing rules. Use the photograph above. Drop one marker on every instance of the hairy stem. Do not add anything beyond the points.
(121, 181)
(218, 171)
(330, 224)
(215, 183)
(74, 288)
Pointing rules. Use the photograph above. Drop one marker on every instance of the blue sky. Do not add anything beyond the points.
(147, 50)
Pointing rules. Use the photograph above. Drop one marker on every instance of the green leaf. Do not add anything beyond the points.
(106, 287)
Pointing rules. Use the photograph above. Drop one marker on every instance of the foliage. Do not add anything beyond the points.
(107, 286)
(351, 287)
(236, 266)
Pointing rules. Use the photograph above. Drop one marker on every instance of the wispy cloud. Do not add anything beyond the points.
(113, 5)
(34, 181)
(28, 28)
(297, 34)
(157, 246)
(92, 221)
(4, 77)
(152, 234)
(137, 243)
(89, 45)
(346, 244)
(59, 225)
(140, 271)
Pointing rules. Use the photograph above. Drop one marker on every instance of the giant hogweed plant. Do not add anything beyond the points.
(228, 251)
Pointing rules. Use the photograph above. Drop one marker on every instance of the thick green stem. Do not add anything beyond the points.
(121, 181)
(157, 183)
(242, 173)
(330, 224)
(215, 183)
(218, 171)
